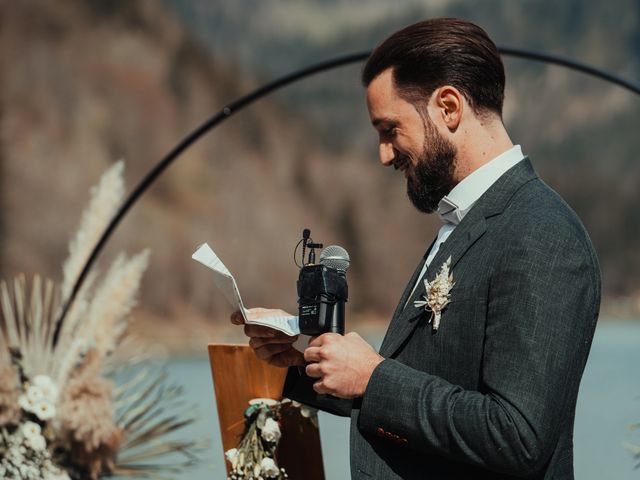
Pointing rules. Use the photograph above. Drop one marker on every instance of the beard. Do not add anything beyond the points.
(430, 175)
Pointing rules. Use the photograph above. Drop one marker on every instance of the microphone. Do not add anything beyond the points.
(335, 256)
(322, 293)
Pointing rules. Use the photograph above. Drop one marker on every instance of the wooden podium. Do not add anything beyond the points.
(239, 376)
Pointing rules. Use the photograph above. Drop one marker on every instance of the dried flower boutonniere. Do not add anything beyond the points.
(438, 294)
(255, 457)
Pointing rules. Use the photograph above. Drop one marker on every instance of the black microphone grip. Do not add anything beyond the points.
(322, 293)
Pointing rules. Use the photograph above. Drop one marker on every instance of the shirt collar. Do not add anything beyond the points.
(454, 206)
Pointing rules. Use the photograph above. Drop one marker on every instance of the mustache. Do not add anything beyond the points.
(401, 161)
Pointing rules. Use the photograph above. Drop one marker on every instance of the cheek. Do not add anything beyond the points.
(411, 146)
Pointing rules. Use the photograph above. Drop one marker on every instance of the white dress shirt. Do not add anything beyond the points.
(454, 206)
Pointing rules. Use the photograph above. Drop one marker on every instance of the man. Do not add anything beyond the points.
(485, 386)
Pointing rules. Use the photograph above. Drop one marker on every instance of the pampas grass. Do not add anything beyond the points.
(106, 198)
(113, 301)
(100, 428)
(105, 315)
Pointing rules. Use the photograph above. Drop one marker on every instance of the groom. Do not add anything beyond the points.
(488, 391)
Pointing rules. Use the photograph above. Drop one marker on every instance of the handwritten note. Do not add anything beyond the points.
(227, 285)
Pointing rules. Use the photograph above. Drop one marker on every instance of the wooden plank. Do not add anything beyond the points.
(239, 376)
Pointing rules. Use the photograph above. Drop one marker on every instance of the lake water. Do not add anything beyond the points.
(608, 403)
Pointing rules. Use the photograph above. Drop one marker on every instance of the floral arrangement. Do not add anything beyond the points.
(62, 414)
(438, 294)
(255, 457)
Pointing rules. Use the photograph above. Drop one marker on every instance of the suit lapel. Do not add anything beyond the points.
(470, 229)
(466, 233)
(396, 327)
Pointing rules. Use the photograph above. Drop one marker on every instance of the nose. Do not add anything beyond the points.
(387, 154)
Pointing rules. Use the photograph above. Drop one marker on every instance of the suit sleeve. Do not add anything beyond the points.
(543, 302)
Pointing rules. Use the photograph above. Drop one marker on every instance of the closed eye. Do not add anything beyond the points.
(388, 133)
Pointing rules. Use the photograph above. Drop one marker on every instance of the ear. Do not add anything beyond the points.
(450, 104)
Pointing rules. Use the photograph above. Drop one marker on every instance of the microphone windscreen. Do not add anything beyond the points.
(336, 257)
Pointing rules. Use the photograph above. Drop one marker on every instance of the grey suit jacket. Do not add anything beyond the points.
(492, 393)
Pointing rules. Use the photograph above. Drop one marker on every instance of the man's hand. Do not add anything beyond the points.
(270, 345)
(343, 364)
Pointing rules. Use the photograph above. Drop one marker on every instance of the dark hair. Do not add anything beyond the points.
(437, 52)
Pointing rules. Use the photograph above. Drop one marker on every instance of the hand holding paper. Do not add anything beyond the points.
(272, 346)
(225, 282)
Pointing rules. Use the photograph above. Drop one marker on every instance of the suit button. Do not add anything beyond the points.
(380, 432)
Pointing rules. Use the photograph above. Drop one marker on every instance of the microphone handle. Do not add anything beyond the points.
(336, 322)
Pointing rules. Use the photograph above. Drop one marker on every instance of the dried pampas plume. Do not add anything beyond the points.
(106, 198)
(105, 316)
(113, 300)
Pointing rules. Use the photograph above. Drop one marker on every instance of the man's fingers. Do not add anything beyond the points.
(288, 358)
(237, 318)
(313, 370)
(257, 342)
(255, 313)
(323, 339)
(267, 351)
(264, 332)
(320, 388)
(312, 354)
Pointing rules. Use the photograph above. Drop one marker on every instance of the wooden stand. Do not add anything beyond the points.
(239, 376)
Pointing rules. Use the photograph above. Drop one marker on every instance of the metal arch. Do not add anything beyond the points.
(571, 64)
(264, 90)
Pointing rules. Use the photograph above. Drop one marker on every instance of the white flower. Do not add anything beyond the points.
(47, 386)
(30, 430)
(307, 412)
(34, 393)
(40, 398)
(231, 454)
(438, 293)
(310, 413)
(26, 403)
(36, 444)
(44, 410)
(33, 438)
(269, 467)
(271, 431)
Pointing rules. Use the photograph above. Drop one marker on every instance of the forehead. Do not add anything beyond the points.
(383, 101)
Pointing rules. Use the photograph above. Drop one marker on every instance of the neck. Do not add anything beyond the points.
(483, 140)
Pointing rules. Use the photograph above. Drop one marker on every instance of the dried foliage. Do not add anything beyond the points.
(61, 414)
(9, 394)
(255, 456)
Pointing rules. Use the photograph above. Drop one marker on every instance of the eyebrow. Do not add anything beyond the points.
(384, 120)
